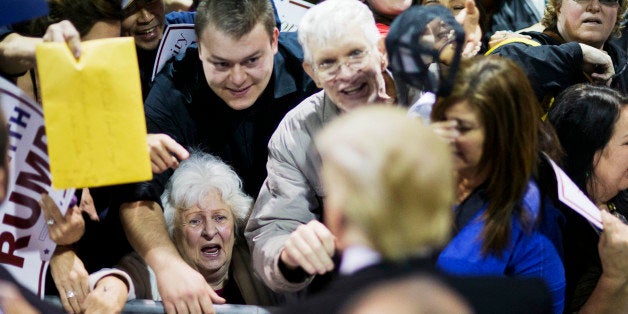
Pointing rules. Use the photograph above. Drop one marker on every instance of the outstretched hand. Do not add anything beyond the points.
(109, 296)
(469, 18)
(70, 277)
(165, 152)
(184, 290)
(597, 64)
(613, 247)
(64, 31)
(311, 247)
(69, 228)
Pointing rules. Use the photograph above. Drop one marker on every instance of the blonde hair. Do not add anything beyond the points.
(392, 177)
(550, 18)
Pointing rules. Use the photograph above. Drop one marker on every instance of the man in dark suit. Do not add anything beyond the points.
(388, 205)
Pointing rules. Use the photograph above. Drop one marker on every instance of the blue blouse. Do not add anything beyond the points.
(533, 253)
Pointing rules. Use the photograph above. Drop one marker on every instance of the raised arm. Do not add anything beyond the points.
(17, 52)
(67, 269)
(288, 244)
(165, 153)
(550, 68)
(110, 289)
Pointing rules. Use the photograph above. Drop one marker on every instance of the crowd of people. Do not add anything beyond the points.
(386, 156)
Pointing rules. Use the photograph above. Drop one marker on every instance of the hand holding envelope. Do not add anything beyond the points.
(93, 113)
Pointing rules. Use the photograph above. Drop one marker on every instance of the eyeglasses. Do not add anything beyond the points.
(608, 3)
(329, 69)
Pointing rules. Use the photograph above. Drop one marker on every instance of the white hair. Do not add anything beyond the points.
(331, 19)
(195, 178)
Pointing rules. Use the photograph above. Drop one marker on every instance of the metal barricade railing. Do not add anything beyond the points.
(150, 306)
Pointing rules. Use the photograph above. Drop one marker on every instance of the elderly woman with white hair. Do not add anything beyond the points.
(205, 210)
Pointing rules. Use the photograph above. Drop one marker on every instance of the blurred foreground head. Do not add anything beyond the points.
(414, 295)
(388, 182)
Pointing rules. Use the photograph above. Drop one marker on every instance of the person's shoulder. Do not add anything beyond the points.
(616, 52)
(183, 72)
(187, 66)
(302, 121)
(289, 39)
(308, 109)
(535, 39)
(537, 36)
(289, 46)
(515, 44)
(547, 37)
(531, 200)
(289, 63)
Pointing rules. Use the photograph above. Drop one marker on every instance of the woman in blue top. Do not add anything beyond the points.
(503, 226)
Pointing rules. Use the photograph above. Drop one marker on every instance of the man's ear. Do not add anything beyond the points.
(381, 46)
(310, 71)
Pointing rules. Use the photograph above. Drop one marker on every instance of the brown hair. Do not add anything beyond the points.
(501, 94)
(235, 18)
(553, 6)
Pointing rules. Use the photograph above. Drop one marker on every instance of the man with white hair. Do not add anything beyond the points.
(289, 245)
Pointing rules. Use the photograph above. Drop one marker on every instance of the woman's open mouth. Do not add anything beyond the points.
(211, 250)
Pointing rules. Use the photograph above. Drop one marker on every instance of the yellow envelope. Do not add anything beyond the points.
(93, 113)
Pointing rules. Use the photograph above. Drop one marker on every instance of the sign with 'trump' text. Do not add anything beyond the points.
(25, 247)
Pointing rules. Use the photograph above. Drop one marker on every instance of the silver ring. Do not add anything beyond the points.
(50, 222)
(69, 294)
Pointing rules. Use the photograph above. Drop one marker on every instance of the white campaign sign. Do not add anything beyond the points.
(176, 38)
(572, 196)
(25, 248)
(290, 13)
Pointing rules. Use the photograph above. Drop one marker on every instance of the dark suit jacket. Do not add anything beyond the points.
(487, 294)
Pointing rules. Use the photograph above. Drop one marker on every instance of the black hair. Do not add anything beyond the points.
(584, 118)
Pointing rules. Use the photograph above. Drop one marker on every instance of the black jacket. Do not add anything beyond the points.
(555, 65)
(486, 294)
(182, 105)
